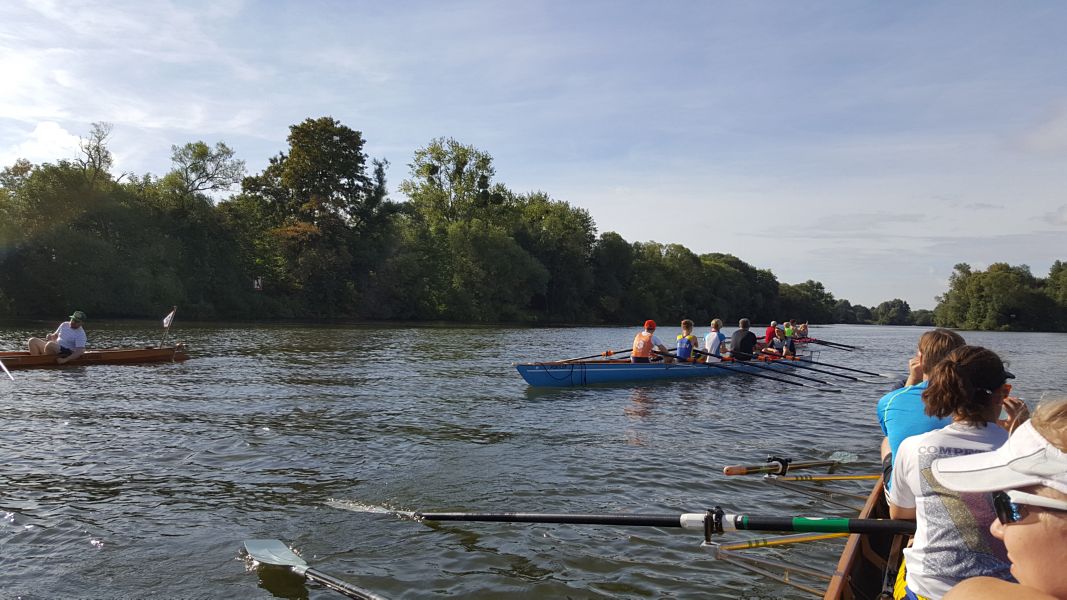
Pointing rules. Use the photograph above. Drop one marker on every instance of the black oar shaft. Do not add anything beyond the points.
(842, 368)
(749, 373)
(341, 586)
(572, 519)
(690, 521)
(757, 365)
(796, 364)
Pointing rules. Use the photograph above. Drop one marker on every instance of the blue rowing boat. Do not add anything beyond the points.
(567, 374)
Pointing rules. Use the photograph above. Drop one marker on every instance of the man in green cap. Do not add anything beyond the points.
(68, 340)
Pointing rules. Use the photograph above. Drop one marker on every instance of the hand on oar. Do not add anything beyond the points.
(712, 521)
(275, 552)
(604, 354)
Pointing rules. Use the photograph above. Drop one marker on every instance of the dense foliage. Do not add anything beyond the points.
(314, 236)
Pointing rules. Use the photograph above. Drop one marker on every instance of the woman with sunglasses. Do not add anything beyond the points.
(1028, 478)
(952, 541)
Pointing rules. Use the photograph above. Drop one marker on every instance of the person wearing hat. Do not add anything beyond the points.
(970, 386)
(644, 344)
(1028, 480)
(67, 341)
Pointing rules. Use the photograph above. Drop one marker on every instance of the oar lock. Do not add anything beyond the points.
(783, 464)
(713, 523)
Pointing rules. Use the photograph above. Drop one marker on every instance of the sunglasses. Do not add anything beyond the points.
(1009, 505)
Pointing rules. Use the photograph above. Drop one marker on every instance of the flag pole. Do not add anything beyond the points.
(167, 320)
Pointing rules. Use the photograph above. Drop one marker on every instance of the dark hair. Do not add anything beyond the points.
(962, 384)
(936, 344)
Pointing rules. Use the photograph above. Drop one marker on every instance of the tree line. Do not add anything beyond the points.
(315, 236)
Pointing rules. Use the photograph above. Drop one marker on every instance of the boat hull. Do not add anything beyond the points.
(24, 360)
(861, 570)
(569, 374)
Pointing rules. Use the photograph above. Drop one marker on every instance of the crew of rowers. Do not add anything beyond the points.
(778, 340)
(985, 483)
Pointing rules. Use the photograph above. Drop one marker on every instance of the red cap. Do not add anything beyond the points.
(650, 324)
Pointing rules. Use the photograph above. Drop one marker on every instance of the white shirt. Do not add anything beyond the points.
(952, 540)
(712, 342)
(70, 338)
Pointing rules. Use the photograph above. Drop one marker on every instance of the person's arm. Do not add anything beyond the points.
(990, 588)
(1017, 411)
(901, 499)
(915, 370)
(75, 354)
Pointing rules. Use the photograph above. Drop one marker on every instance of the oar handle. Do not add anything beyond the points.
(811, 525)
(340, 585)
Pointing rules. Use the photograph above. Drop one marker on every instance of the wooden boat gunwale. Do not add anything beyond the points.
(106, 356)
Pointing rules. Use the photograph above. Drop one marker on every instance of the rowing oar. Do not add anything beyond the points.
(778, 466)
(275, 552)
(604, 354)
(712, 521)
(846, 368)
(833, 344)
(803, 366)
(6, 371)
(749, 373)
(766, 368)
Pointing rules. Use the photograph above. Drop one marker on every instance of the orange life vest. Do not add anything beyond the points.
(642, 345)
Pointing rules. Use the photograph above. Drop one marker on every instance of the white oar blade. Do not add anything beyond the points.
(273, 552)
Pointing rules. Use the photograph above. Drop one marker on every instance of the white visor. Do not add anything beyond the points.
(1026, 459)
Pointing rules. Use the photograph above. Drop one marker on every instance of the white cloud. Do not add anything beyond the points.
(47, 142)
(1049, 136)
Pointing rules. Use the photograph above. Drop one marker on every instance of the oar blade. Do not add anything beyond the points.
(273, 552)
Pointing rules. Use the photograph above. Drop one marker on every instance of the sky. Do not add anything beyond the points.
(867, 145)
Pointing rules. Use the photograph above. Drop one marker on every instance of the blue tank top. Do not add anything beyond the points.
(685, 346)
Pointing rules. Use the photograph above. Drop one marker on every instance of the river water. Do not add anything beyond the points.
(143, 481)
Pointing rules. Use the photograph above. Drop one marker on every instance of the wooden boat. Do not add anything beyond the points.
(116, 356)
(869, 563)
(588, 372)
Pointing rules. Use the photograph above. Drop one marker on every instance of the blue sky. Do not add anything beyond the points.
(867, 145)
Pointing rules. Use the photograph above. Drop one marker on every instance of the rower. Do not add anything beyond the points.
(713, 341)
(742, 342)
(768, 336)
(644, 342)
(781, 345)
(687, 341)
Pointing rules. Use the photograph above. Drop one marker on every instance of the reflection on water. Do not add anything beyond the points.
(134, 481)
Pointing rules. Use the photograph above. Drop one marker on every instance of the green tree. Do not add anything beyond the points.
(892, 312)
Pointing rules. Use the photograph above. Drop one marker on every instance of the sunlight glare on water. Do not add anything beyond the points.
(139, 481)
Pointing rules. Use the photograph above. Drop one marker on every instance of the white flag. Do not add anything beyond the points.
(167, 320)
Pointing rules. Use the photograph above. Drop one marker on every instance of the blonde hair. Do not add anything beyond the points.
(1050, 420)
(716, 324)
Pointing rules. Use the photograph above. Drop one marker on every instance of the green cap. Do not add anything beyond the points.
(77, 316)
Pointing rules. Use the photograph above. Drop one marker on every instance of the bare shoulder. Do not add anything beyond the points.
(989, 588)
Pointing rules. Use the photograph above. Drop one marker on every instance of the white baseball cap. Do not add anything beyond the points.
(1026, 459)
